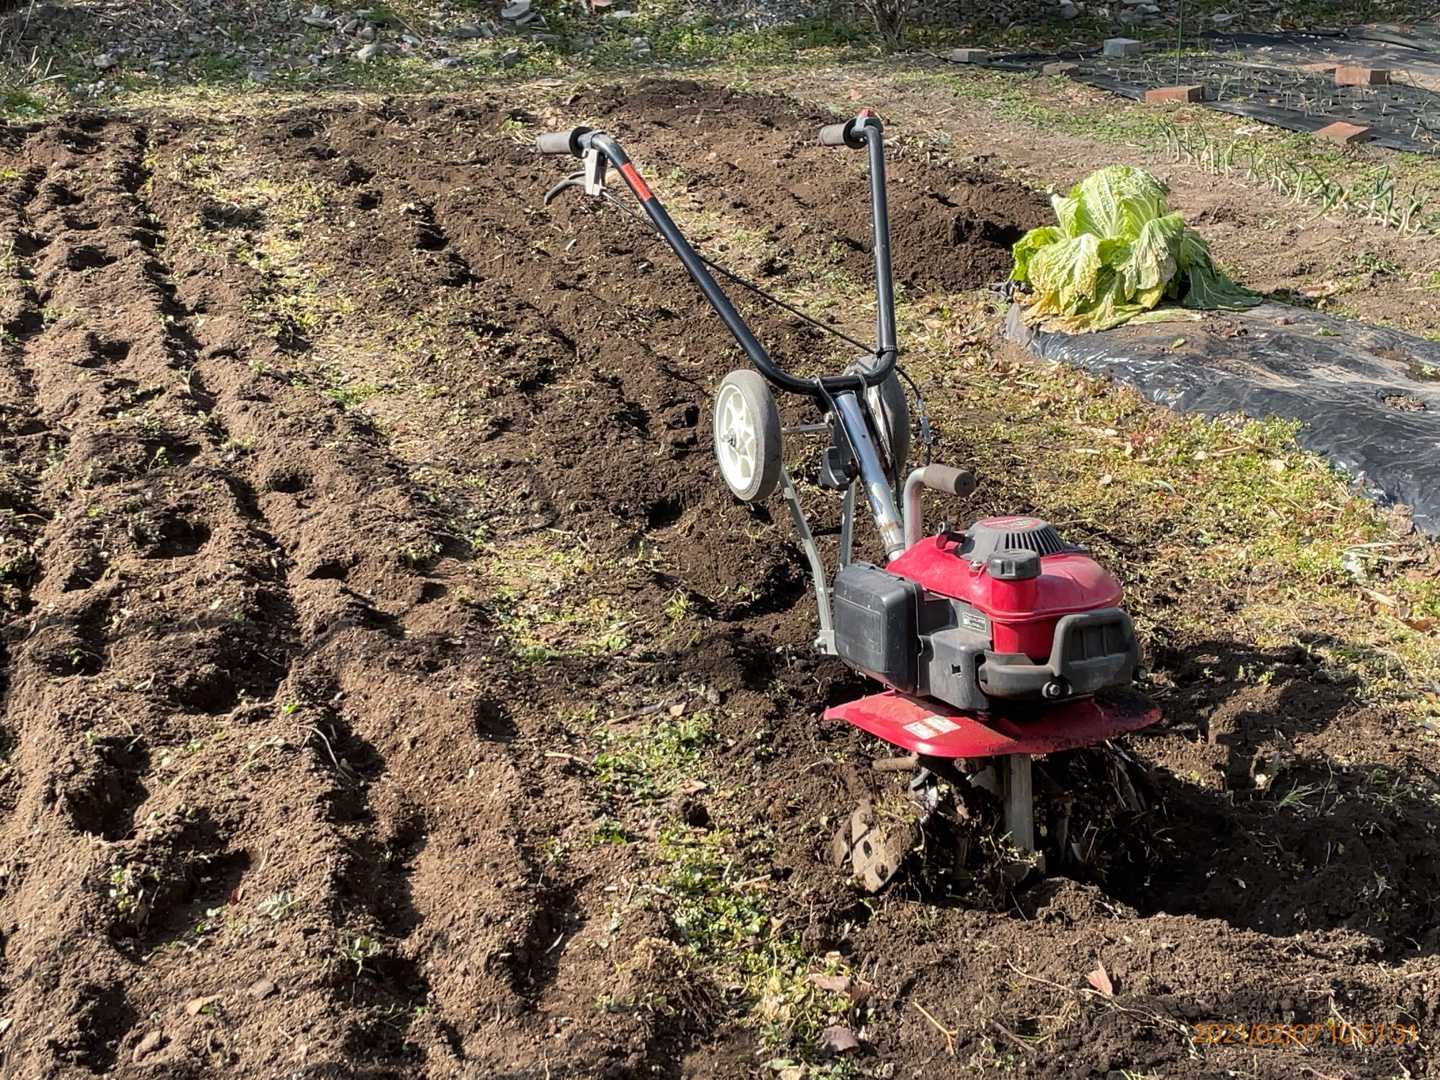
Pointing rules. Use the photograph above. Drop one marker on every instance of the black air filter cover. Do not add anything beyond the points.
(1019, 533)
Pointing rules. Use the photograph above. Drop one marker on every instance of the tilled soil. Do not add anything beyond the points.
(284, 789)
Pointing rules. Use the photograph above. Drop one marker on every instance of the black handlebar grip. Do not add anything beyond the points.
(561, 142)
(948, 480)
(834, 134)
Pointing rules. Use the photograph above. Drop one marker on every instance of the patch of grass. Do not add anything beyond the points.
(543, 598)
(726, 923)
(357, 948)
(650, 764)
(1401, 189)
(293, 298)
(21, 105)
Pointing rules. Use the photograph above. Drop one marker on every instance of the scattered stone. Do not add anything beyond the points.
(1163, 95)
(351, 25)
(104, 61)
(509, 58)
(1060, 67)
(449, 62)
(1345, 133)
(968, 56)
(261, 989)
(151, 1042)
(1222, 19)
(366, 53)
(366, 33)
(468, 31)
(318, 22)
(1121, 46)
(195, 1006)
(1069, 11)
(1361, 76)
(516, 11)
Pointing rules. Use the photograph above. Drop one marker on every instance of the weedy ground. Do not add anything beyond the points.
(1210, 522)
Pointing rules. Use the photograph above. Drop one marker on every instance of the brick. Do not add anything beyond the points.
(1344, 133)
(1062, 67)
(968, 56)
(1122, 46)
(1361, 76)
(1165, 94)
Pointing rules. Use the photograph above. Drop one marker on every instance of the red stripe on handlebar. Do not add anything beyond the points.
(637, 185)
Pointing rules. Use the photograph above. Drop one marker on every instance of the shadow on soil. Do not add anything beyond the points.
(1251, 822)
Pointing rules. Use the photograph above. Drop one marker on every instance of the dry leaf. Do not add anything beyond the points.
(1100, 980)
(835, 984)
(839, 1039)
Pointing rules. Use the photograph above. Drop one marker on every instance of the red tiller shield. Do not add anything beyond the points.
(934, 729)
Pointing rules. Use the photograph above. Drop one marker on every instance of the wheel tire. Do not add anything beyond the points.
(892, 408)
(747, 436)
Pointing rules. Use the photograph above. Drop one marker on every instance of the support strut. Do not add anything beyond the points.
(1019, 800)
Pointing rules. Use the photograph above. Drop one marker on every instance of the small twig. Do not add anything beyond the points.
(645, 710)
(941, 1028)
(1016, 1039)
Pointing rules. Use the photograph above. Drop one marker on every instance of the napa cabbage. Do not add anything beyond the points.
(1117, 251)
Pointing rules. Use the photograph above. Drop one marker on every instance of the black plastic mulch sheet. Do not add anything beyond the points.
(1369, 398)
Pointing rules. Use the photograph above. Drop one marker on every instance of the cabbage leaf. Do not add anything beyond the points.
(1117, 251)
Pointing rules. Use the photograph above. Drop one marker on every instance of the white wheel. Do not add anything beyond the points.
(747, 436)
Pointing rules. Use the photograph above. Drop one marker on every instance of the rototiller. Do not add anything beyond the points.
(990, 643)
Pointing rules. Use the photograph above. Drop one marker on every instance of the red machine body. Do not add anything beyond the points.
(1012, 631)
(1022, 613)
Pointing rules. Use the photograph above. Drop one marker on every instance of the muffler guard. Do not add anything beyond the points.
(933, 729)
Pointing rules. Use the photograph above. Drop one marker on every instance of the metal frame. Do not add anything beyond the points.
(842, 398)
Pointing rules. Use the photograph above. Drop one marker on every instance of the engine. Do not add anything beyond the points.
(1006, 611)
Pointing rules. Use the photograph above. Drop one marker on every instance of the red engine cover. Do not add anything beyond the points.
(1022, 614)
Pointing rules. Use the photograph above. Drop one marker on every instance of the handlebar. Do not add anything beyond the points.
(948, 480)
(863, 131)
(854, 133)
(562, 142)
